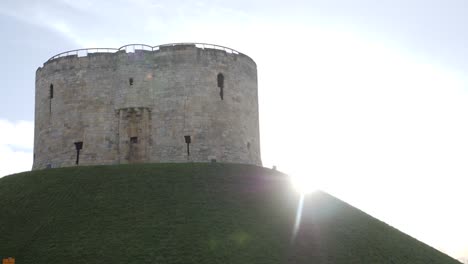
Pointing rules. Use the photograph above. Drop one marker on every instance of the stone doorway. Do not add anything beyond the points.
(134, 134)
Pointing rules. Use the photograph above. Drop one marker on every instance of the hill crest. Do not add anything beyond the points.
(188, 213)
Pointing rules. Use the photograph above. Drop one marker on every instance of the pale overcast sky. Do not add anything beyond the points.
(367, 100)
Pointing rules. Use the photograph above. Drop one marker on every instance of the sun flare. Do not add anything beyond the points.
(303, 184)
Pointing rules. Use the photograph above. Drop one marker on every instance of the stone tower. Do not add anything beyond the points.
(139, 103)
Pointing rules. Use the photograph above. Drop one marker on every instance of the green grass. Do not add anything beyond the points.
(187, 213)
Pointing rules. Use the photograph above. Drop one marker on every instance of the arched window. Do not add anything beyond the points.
(51, 91)
(221, 85)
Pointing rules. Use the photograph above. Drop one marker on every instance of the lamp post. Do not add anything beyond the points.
(78, 147)
(188, 140)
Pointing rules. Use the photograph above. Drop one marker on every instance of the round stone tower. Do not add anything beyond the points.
(139, 103)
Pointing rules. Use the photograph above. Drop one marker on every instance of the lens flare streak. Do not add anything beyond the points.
(297, 223)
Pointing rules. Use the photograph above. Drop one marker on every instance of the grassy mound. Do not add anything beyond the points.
(187, 213)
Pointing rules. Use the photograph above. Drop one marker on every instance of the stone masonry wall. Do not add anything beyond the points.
(137, 107)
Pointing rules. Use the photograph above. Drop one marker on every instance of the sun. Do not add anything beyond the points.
(303, 184)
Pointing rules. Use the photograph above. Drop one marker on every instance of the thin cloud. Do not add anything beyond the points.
(16, 144)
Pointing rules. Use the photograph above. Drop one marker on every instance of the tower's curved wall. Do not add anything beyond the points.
(139, 106)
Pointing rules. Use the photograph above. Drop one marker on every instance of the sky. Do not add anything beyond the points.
(364, 99)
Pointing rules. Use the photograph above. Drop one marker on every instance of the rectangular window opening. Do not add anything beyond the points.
(134, 140)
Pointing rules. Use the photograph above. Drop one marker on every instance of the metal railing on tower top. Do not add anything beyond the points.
(83, 52)
(134, 47)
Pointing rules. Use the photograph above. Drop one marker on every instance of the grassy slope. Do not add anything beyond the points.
(187, 213)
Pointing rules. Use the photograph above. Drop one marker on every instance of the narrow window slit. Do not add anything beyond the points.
(51, 95)
(221, 85)
(130, 81)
